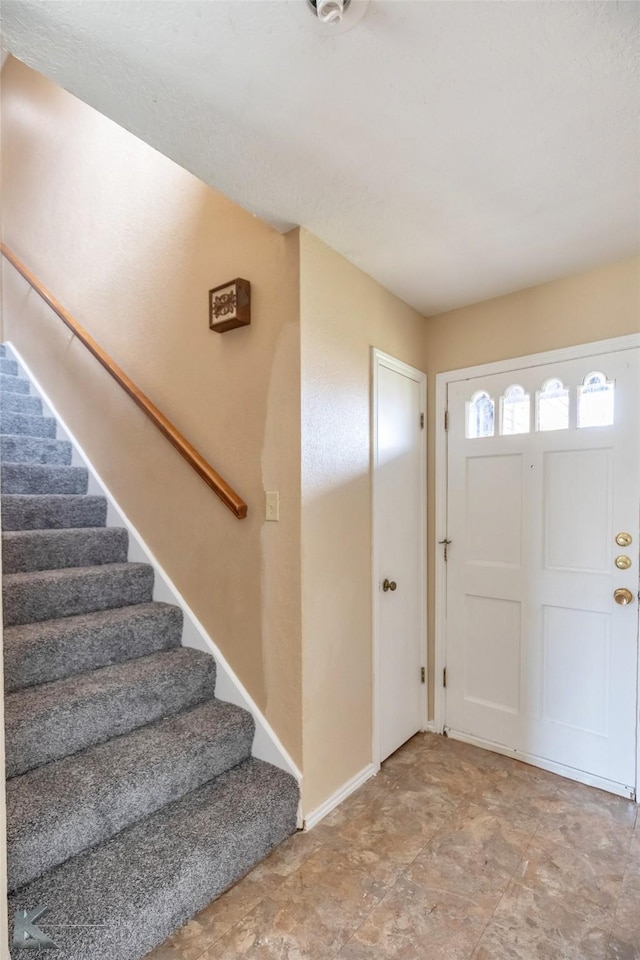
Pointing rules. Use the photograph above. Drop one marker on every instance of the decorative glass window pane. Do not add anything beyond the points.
(553, 406)
(515, 411)
(595, 401)
(480, 416)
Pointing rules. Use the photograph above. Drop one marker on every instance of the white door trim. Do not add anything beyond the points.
(442, 382)
(378, 359)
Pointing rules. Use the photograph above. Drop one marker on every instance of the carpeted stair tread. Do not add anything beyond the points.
(12, 422)
(52, 511)
(20, 403)
(27, 550)
(50, 650)
(51, 594)
(152, 877)
(43, 478)
(57, 719)
(3, 350)
(60, 809)
(8, 366)
(9, 383)
(20, 449)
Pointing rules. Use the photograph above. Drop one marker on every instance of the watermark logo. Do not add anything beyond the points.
(26, 935)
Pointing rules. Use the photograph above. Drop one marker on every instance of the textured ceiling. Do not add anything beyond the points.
(455, 151)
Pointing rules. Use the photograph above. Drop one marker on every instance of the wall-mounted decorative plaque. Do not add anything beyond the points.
(230, 305)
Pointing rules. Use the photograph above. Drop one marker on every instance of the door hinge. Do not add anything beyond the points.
(422, 421)
(444, 677)
(423, 675)
(445, 543)
(446, 419)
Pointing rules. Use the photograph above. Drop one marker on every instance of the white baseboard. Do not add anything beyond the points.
(313, 818)
(266, 744)
(429, 727)
(561, 769)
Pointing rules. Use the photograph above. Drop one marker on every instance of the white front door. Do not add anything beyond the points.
(399, 530)
(543, 494)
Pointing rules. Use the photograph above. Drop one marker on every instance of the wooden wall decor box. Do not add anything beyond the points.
(230, 305)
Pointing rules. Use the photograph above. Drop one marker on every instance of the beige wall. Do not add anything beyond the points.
(590, 306)
(343, 314)
(130, 243)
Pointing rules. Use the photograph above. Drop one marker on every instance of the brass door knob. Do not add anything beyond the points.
(622, 596)
(389, 585)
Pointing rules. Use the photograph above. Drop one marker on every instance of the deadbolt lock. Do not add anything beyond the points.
(622, 596)
(624, 539)
(389, 585)
(622, 562)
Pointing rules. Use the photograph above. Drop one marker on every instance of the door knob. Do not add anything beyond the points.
(622, 596)
(389, 585)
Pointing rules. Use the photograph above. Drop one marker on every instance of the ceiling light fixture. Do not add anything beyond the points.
(329, 18)
(328, 11)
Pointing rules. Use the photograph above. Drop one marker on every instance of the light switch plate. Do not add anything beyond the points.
(272, 510)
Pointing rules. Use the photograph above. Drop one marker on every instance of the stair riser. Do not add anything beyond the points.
(9, 384)
(35, 478)
(105, 708)
(37, 653)
(9, 367)
(52, 512)
(90, 797)
(31, 598)
(20, 403)
(23, 551)
(33, 450)
(23, 424)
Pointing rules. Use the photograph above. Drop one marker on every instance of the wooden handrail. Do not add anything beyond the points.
(219, 486)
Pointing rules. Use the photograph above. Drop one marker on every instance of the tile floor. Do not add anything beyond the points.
(451, 852)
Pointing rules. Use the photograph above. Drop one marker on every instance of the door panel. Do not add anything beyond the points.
(543, 472)
(399, 537)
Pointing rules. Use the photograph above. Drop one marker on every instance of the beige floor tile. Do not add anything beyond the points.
(622, 950)
(587, 827)
(571, 875)
(335, 891)
(528, 925)
(277, 931)
(415, 922)
(475, 854)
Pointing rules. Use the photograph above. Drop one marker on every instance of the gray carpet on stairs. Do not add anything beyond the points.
(52, 511)
(133, 800)
(20, 449)
(8, 366)
(60, 809)
(53, 649)
(43, 478)
(49, 594)
(26, 550)
(151, 878)
(11, 384)
(56, 719)
(32, 426)
(20, 403)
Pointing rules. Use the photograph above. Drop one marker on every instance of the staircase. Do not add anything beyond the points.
(132, 796)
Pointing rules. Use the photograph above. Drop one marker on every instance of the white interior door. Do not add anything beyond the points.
(543, 495)
(399, 527)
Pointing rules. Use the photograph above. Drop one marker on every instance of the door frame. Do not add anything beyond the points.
(378, 359)
(576, 352)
